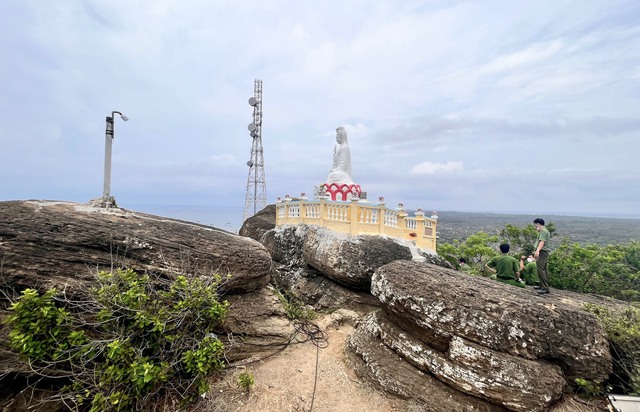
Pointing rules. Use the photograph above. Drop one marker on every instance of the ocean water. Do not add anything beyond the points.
(228, 218)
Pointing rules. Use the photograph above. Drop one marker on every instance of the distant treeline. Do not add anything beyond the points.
(609, 269)
(582, 230)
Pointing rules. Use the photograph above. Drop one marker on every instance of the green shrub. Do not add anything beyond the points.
(41, 330)
(611, 270)
(136, 341)
(623, 331)
(477, 249)
(245, 380)
(294, 308)
(588, 388)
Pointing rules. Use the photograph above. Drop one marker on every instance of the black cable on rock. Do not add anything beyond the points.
(304, 331)
(312, 332)
(320, 339)
(315, 381)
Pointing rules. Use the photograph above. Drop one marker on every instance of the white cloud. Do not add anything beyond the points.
(224, 160)
(429, 168)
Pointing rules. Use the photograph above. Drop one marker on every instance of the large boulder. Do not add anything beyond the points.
(473, 369)
(313, 288)
(260, 223)
(350, 260)
(328, 269)
(389, 371)
(46, 244)
(505, 345)
(256, 325)
(494, 315)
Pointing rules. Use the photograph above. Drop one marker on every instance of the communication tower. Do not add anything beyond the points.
(256, 197)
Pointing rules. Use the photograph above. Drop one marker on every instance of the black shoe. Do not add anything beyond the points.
(537, 287)
(543, 291)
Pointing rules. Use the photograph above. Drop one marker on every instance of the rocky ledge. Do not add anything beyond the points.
(45, 244)
(485, 339)
(444, 338)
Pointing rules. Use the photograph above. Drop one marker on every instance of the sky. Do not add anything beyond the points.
(496, 106)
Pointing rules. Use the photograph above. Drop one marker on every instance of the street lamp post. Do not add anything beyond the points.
(108, 142)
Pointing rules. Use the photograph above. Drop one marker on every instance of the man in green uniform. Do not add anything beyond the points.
(464, 267)
(542, 255)
(505, 267)
(529, 270)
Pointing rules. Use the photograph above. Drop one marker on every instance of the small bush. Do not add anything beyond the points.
(137, 340)
(294, 308)
(623, 331)
(41, 330)
(588, 388)
(245, 380)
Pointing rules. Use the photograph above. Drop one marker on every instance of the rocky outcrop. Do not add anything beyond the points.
(350, 260)
(260, 223)
(446, 339)
(330, 270)
(45, 244)
(257, 324)
(390, 372)
(63, 244)
(495, 342)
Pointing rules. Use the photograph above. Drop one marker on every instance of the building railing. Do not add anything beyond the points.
(357, 218)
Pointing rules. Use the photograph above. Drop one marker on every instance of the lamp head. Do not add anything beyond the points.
(124, 117)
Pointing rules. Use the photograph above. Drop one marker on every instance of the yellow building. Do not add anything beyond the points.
(357, 217)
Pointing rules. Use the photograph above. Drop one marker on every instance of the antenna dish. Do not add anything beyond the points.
(253, 101)
(252, 127)
(252, 134)
(249, 163)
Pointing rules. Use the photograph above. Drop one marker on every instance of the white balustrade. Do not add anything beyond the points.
(338, 212)
(390, 218)
(368, 215)
(313, 210)
(294, 210)
(411, 223)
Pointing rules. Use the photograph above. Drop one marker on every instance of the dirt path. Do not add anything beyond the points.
(286, 381)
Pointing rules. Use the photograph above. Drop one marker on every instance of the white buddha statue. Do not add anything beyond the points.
(341, 171)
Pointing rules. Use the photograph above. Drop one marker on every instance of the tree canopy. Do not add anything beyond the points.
(612, 270)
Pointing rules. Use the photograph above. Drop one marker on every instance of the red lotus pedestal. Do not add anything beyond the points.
(342, 191)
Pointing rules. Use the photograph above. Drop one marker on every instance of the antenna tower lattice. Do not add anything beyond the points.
(256, 197)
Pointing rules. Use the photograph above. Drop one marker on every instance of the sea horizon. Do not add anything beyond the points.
(230, 217)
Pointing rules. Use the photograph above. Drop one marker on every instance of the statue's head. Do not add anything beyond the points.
(341, 135)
